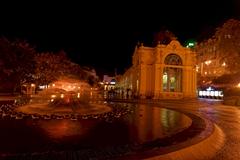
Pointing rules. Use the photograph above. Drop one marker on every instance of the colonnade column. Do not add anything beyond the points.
(158, 81)
(143, 81)
(189, 82)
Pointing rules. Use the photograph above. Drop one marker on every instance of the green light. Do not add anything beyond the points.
(190, 44)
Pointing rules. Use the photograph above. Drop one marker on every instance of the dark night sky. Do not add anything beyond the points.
(103, 35)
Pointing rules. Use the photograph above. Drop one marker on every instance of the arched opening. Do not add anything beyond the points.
(172, 74)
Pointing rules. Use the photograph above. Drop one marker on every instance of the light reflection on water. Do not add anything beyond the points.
(151, 123)
(145, 124)
(60, 129)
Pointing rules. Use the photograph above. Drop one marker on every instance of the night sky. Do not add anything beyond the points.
(103, 35)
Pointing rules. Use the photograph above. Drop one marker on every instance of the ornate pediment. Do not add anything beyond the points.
(174, 45)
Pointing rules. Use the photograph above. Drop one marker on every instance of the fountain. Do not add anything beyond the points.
(64, 118)
(67, 96)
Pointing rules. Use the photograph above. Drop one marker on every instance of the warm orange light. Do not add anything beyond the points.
(61, 129)
(238, 85)
(208, 62)
(197, 68)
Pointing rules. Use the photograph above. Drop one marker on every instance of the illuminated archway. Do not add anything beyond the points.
(172, 73)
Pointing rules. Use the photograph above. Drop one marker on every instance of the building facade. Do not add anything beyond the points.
(162, 72)
(210, 63)
(219, 55)
(108, 83)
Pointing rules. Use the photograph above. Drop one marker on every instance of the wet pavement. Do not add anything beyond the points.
(226, 117)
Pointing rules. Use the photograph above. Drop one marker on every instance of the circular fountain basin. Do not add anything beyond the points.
(69, 104)
(44, 109)
(145, 125)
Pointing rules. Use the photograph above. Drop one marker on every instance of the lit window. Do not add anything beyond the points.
(204, 93)
(207, 93)
(212, 93)
(197, 68)
(208, 62)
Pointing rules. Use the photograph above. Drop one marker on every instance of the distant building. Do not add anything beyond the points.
(210, 63)
(220, 54)
(108, 83)
(165, 71)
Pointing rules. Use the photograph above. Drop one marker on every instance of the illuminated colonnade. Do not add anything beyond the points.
(165, 71)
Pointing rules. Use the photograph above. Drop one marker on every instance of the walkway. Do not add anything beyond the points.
(226, 117)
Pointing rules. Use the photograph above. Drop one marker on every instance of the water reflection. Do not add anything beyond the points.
(151, 123)
(146, 123)
(60, 129)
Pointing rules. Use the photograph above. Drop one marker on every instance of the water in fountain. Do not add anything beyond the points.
(68, 96)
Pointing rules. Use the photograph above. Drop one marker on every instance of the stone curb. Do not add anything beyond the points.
(205, 149)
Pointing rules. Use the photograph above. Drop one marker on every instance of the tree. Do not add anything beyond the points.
(46, 70)
(17, 63)
(52, 66)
